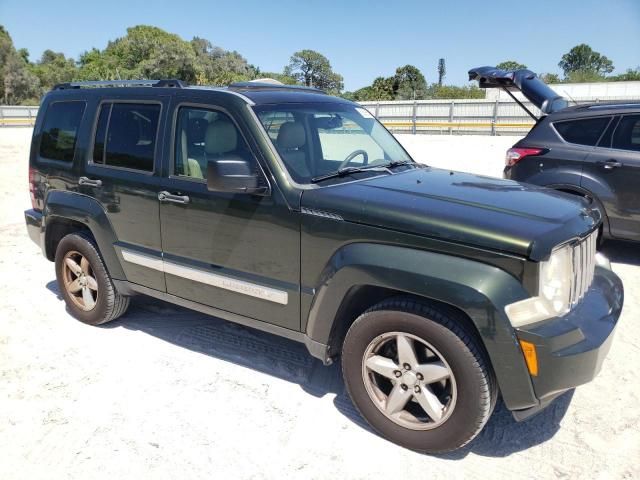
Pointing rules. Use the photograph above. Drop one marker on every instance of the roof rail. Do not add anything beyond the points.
(170, 83)
(268, 85)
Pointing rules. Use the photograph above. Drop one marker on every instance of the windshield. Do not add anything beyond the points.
(316, 139)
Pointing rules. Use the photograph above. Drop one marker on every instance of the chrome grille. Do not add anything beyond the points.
(584, 264)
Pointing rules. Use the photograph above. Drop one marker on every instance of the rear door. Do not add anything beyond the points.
(123, 173)
(616, 165)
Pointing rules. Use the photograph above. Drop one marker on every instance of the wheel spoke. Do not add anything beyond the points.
(406, 353)
(73, 266)
(74, 287)
(396, 400)
(382, 365)
(87, 298)
(85, 266)
(433, 372)
(430, 403)
(92, 283)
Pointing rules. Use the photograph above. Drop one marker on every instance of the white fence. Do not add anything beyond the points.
(424, 116)
(17, 116)
(482, 116)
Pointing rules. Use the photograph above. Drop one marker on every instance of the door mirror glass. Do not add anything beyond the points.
(233, 175)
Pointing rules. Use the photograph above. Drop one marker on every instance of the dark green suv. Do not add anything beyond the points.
(296, 212)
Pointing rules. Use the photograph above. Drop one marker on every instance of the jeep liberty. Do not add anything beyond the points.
(298, 213)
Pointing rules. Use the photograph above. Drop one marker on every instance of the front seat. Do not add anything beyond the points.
(290, 142)
(221, 138)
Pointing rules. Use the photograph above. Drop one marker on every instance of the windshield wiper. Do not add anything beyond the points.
(397, 163)
(341, 172)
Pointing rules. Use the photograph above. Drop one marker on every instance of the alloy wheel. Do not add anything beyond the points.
(79, 281)
(409, 381)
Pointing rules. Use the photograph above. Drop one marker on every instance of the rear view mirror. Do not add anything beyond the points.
(233, 175)
(328, 122)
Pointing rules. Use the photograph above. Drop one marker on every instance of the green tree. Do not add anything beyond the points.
(584, 76)
(313, 69)
(217, 66)
(511, 65)
(281, 77)
(409, 83)
(53, 68)
(629, 75)
(550, 78)
(144, 52)
(17, 84)
(446, 92)
(442, 71)
(382, 88)
(583, 60)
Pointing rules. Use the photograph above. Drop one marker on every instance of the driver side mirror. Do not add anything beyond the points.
(233, 175)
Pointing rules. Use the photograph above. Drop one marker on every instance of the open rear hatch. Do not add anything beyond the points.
(527, 82)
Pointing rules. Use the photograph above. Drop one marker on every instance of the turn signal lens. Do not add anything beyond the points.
(514, 155)
(530, 356)
(32, 188)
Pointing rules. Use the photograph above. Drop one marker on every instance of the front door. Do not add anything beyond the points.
(236, 252)
(618, 165)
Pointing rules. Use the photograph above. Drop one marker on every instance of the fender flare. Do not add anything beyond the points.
(88, 212)
(479, 290)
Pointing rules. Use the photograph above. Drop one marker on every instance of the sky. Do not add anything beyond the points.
(362, 39)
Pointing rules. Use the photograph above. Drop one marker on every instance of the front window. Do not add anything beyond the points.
(317, 139)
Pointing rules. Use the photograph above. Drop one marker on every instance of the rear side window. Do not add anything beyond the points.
(126, 135)
(583, 132)
(60, 130)
(627, 135)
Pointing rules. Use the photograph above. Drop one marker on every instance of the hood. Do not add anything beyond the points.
(534, 89)
(485, 212)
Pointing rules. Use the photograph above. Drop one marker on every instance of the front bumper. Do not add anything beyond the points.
(572, 348)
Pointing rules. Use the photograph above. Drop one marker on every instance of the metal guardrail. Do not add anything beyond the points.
(17, 116)
(464, 116)
(475, 117)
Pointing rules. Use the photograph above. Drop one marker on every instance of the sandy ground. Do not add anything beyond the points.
(169, 393)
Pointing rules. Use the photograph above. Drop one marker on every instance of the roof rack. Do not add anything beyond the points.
(267, 85)
(610, 104)
(170, 83)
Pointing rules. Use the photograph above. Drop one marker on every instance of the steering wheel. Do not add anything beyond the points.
(354, 154)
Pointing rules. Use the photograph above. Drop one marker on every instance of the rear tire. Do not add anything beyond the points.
(399, 399)
(84, 282)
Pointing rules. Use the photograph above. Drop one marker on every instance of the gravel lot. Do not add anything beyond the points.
(169, 393)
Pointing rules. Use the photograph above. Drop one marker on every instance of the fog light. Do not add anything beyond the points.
(530, 357)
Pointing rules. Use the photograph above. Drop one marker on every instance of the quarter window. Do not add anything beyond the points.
(583, 132)
(60, 130)
(627, 135)
(126, 135)
(203, 135)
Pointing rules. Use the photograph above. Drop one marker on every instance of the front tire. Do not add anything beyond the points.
(418, 375)
(84, 281)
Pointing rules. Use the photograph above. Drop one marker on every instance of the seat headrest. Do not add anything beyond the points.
(221, 137)
(291, 135)
(197, 129)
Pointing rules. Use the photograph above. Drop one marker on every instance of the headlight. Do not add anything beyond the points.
(564, 280)
(554, 291)
(555, 280)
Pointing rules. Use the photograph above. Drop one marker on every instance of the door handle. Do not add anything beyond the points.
(611, 164)
(165, 196)
(89, 182)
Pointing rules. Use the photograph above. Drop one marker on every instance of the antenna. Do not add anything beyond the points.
(570, 97)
